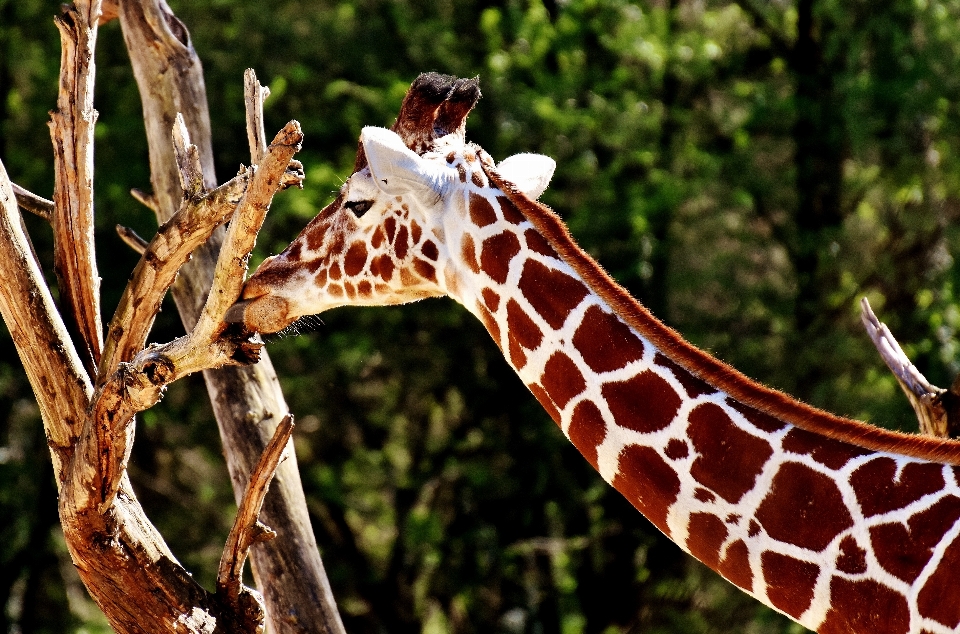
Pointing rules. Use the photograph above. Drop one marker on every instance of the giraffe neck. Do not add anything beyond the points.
(838, 525)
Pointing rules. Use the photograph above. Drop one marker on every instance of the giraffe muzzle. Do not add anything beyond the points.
(265, 314)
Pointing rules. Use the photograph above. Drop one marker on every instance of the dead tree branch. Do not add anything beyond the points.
(60, 383)
(132, 239)
(247, 529)
(71, 129)
(36, 205)
(937, 409)
(247, 401)
(135, 386)
(119, 555)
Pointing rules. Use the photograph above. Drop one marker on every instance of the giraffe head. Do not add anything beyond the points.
(395, 233)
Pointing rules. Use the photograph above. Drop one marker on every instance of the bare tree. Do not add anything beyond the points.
(90, 386)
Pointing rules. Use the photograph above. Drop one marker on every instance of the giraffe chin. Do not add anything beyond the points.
(266, 314)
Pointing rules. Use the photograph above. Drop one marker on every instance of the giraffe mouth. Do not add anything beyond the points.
(266, 314)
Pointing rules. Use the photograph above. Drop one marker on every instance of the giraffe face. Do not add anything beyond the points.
(388, 236)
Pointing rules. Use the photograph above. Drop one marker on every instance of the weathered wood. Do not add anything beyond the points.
(247, 529)
(118, 554)
(71, 129)
(61, 385)
(247, 402)
(34, 204)
(937, 409)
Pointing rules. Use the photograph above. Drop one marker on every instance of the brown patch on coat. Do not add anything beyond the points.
(587, 430)
(510, 212)
(804, 508)
(676, 449)
(644, 403)
(938, 597)
(537, 244)
(561, 379)
(425, 270)
(605, 342)
(481, 212)
(851, 559)
(648, 482)
(827, 451)
(552, 293)
(545, 401)
(491, 299)
(377, 239)
(469, 253)
(390, 226)
(882, 487)
(386, 268)
(904, 550)
(402, 243)
(865, 606)
(521, 328)
(735, 566)
(790, 582)
(430, 251)
(705, 535)
(355, 259)
(496, 253)
(729, 460)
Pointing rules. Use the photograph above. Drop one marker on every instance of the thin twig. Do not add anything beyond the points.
(147, 200)
(926, 399)
(131, 239)
(247, 529)
(36, 205)
(255, 95)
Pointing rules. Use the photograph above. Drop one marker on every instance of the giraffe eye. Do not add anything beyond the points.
(359, 207)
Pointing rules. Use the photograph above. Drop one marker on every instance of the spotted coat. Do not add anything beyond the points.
(841, 526)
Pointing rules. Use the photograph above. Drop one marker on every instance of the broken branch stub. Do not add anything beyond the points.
(937, 409)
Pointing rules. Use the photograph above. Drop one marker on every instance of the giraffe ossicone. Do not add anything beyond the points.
(842, 526)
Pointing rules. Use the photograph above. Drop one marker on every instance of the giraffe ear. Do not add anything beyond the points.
(531, 173)
(398, 170)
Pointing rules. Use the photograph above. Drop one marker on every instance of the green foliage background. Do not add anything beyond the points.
(748, 169)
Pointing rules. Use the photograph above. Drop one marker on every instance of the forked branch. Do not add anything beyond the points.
(136, 385)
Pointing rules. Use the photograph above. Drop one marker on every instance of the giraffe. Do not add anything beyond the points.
(841, 526)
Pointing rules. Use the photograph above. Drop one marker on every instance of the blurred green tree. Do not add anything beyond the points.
(747, 169)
